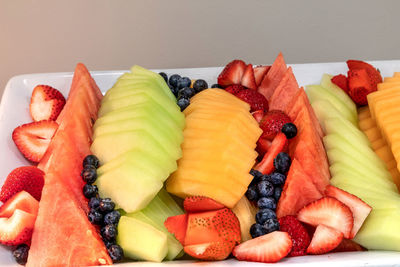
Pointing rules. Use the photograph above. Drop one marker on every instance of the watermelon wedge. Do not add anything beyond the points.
(273, 77)
(285, 91)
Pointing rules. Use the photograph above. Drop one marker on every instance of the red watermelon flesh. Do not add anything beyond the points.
(273, 77)
(298, 191)
(285, 91)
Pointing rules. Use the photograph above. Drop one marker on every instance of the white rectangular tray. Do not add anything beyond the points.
(14, 111)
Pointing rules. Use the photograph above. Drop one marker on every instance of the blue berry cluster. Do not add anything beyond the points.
(101, 210)
(180, 87)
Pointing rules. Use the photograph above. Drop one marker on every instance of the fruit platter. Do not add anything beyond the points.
(278, 164)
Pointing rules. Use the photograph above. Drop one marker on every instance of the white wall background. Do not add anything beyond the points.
(52, 35)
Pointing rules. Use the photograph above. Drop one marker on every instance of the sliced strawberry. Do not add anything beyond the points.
(325, 239)
(267, 248)
(248, 79)
(232, 73)
(256, 100)
(33, 139)
(359, 86)
(213, 251)
(235, 88)
(341, 81)
(359, 208)
(258, 115)
(16, 229)
(201, 203)
(330, 212)
(348, 245)
(263, 146)
(28, 178)
(297, 232)
(272, 123)
(22, 201)
(373, 73)
(177, 226)
(260, 72)
(266, 166)
(46, 103)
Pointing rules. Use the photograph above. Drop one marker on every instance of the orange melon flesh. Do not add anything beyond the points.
(285, 91)
(273, 77)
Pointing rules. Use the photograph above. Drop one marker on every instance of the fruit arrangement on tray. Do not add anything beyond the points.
(163, 167)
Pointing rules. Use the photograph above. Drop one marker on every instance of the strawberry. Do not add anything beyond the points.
(297, 232)
(22, 201)
(272, 123)
(373, 74)
(46, 103)
(266, 166)
(325, 239)
(267, 248)
(212, 251)
(263, 146)
(177, 226)
(258, 115)
(248, 79)
(260, 72)
(16, 229)
(341, 81)
(256, 100)
(330, 212)
(359, 86)
(359, 208)
(235, 88)
(348, 245)
(201, 203)
(33, 139)
(232, 73)
(28, 178)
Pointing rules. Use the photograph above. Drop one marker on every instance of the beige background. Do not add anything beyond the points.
(51, 35)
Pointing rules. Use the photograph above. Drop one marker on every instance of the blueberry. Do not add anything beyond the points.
(199, 85)
(112, 217)
(173, 80)
(90, 191)
(183, 103)
(277, 193)
(216, 85)
(251, 193)
(164, 75)
(290, 130)
(266, 203)
(91, 160)
(264, 214)
(257, 230)
(265, 189)
(106, 205)
(282, 162)
(109, 232)
(89, 175)
(174, 90)
(257, 175)
(94, 203)
(186, 92)
(95, 217)
(21, 254)
(183, 82)
(271, 225)
(116, 253)
(277, 178)
(109, 243)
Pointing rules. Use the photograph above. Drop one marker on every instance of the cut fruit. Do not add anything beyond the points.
(273, 77)
(285, 91)
(200, 203)
(21, 201)
(16, 229)
(325, 239)
(213, 251)
(246, 213)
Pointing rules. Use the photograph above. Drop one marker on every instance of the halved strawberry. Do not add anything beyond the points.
(27, 178)
(258, 115)
(330, 212)
(263, 146)
(272, 123)
(33, 139)
(359, 208)
(267, 248)
(46, 103)
(266, 166)
(373, 73)
(341, 81)
(177, 226)
(348, 245)
(22, 201)
(201, 203)
(325, 239)
(359, 86)
(16, 229)
(213, 251)
(260, 72)
(248, 79)
(232, 73)
(256, 100)
(235, 88)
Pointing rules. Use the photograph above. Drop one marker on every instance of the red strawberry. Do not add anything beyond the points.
(248, 79)
(235, 88)
(297, 232)
(213, 251)
(28, 178)
(33, 139)
(267, 248)
(232, 73)
(256, 100)
(201, 203)
(325, 239)
(258, 115)
(341, 81)
(177, 226)
(330, 212)
(373, 74)
(16, 229)
(46, 103)
(272, 123)
(359, 86)
(260, 72)
(266, 166)
(359, 208)
(263, 146)
(348, 245)
(22, 201)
